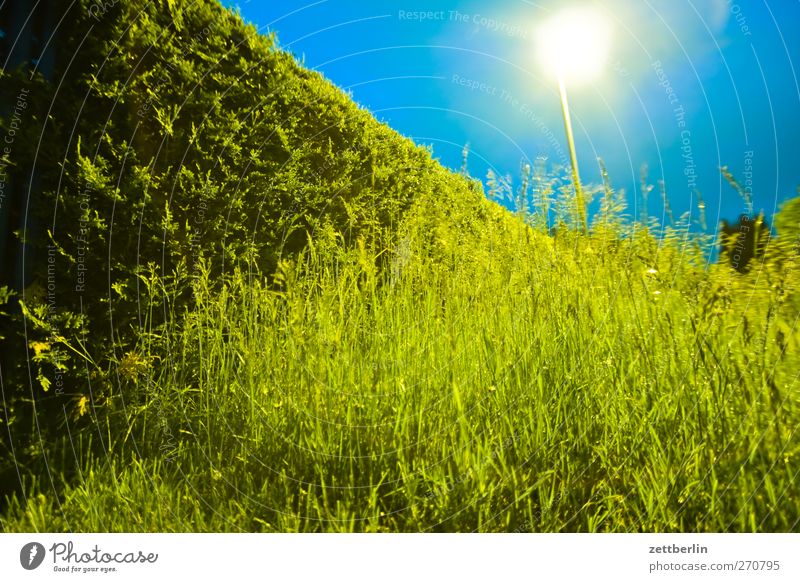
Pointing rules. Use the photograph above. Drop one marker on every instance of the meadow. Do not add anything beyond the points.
(251, 306)
(469, 378)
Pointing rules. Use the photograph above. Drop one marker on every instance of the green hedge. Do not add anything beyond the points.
(174, 135)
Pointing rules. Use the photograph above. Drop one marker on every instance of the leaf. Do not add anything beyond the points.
(82, 406)
(43, 381)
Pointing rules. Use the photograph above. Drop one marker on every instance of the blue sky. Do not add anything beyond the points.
(690, 86)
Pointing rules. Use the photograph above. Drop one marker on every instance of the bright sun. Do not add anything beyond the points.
(574, 44)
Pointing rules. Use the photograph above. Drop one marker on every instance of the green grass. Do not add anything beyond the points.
(423, 361)
(485, 378)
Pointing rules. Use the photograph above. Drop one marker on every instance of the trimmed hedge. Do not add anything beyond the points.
(174, 136)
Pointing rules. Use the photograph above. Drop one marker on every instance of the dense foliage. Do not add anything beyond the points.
(523, 383)
(172, 133)
(289, 318)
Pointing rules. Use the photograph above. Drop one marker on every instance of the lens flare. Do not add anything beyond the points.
(574, 44)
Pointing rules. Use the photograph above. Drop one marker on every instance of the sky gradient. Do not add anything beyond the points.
(690, 86)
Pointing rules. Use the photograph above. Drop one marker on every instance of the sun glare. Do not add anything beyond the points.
(574, 44)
